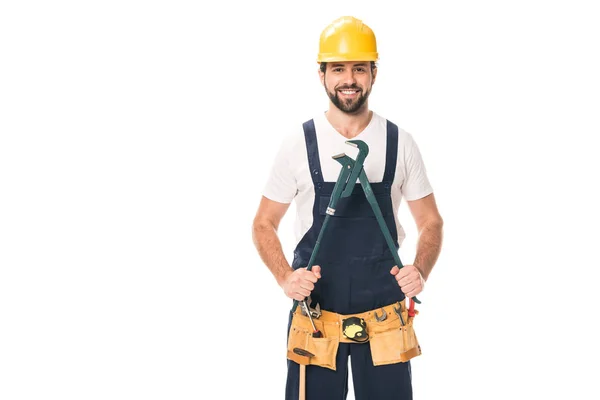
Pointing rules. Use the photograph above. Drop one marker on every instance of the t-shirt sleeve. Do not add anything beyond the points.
(416, 183)
(281, 182)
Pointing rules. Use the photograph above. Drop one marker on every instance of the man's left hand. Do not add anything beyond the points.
(409, 279)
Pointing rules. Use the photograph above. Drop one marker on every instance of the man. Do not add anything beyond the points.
(354, 270)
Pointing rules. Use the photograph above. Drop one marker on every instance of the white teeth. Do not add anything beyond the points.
(349, 91)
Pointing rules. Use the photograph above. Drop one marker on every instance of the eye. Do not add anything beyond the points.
(338, 69)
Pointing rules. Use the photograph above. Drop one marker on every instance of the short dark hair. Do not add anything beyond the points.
(323, 66)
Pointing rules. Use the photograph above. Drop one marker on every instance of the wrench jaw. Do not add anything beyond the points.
(381, 318)
(314, 312)
(398, 312)
(363, 151)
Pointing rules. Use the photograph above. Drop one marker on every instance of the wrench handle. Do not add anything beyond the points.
(347, 165)
(314, 253)
(381, 221)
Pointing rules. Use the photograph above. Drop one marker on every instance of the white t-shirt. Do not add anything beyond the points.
(290, 176)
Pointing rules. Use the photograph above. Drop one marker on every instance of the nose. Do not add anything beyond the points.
(349, 77)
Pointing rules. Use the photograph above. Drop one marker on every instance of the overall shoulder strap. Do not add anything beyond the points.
(391, 153)
(310, 136)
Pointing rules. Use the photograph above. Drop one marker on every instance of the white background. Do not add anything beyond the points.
(135, 141)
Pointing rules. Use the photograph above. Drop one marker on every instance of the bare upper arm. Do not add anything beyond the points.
(270, 212)
(425, 211)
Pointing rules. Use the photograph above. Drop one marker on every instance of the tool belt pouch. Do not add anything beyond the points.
(391, 342)
(323, 349)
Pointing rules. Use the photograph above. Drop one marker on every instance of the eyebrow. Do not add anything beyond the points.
(342, 65)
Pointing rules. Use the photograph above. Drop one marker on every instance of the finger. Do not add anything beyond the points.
(406, 280)
(411, 287)
(317, 271)
(394, 270)
(307, 285)
(403, 273)
(303, 292)
(413, 293)
(309, 276)
(296, 296)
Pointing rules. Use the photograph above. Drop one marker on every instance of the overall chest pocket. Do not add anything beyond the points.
(354, 229)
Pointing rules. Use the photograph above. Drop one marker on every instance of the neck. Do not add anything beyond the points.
(349, 125)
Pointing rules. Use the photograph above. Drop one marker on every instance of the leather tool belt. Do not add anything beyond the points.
(388, 330)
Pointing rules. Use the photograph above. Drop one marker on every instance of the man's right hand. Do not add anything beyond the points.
(298, 284)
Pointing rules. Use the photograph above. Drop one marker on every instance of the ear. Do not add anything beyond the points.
(321, 77)
(374, 75)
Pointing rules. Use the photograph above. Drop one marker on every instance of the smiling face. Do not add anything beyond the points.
(348, 84)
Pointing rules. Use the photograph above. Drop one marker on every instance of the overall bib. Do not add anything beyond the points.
(355, 277)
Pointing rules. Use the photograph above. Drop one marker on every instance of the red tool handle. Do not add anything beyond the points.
(411, 308)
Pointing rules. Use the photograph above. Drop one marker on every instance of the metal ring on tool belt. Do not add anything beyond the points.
(355, 329)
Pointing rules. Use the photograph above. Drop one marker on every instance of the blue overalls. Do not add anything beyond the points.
(355, 277)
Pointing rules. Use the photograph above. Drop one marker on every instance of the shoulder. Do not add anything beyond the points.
(292, 136)
(296, 135)
(404, 137)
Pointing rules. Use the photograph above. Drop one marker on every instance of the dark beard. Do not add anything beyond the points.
(348, 106)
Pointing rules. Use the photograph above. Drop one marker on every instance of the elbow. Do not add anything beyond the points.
(260, 225)
(439, 222)
(256, 227)
(433, 224)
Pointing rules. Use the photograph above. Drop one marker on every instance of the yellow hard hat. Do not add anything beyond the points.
(347, 39)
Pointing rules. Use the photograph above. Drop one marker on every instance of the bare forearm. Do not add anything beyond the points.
(429, 247)
(269, 248)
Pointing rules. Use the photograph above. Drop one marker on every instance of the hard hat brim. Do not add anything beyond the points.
(333, 57)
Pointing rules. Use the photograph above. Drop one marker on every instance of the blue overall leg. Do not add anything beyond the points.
(384, 382)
